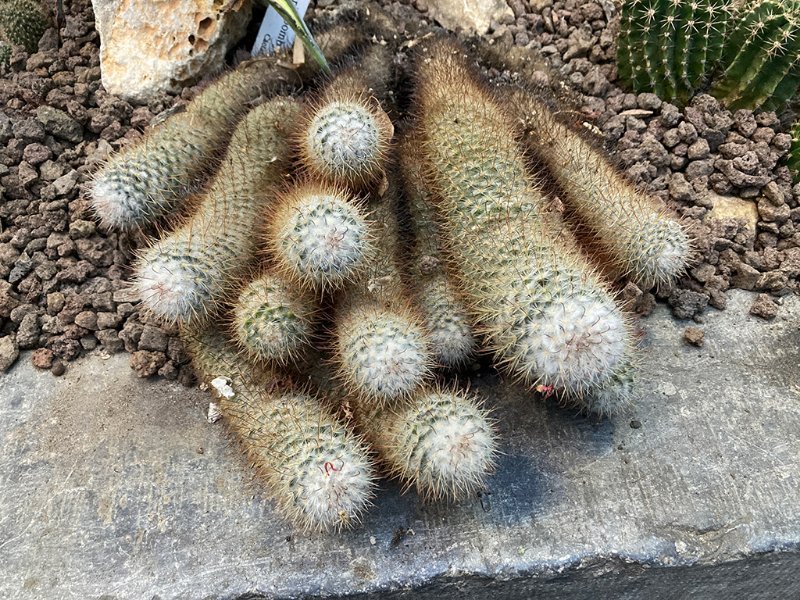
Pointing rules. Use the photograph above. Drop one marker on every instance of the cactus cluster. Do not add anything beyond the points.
(748, 52)
(369, 270)
(22, 23)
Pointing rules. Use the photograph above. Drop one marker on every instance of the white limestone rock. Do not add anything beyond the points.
(164, 45)
(470, 15)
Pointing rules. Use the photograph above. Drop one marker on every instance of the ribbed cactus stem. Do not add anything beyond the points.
(319, 474)
(381, 347)
(272, 320)
(761, 58)
(22, 23)
(435, 295)
(440, 442)
(186, 274)
(153, 177)
(319, 236)
(344, 134)
(669, 47)
(635, 231)
(545, 313)
(793, 158)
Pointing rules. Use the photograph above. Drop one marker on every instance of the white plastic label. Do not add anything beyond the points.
(274, 32)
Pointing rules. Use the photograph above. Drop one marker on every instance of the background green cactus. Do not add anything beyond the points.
(22, 23)
(761, 58)
(669, 46)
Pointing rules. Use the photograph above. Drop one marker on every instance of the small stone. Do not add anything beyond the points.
(109, 339)
(55, 302)
(36, 153)
(86, 319)
(698, 150)
(147, 364)
(29, 331)
(744, 277)
(764, 307)
(694, 336)
(648, 101)
(58, 368)
(42, 358)
(636, 424)
(771, 213)
(81, 229)
(9, 351)
(66, 183)
(59, 124)
(153, 339)
(686, 303)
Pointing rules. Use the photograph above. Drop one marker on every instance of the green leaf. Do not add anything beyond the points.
(288, 12)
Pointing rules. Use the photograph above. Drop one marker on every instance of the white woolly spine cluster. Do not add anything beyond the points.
(319, 236)
(382, 354)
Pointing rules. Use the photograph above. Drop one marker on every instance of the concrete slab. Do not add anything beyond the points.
(112, 487)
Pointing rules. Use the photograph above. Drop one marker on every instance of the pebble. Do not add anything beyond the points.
(764, 307)
(694, 336)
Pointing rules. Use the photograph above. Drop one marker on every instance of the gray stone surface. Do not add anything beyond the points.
(115, 487)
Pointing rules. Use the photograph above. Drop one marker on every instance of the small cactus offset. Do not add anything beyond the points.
(436, 297)
(22, 23)
(440, 442)
(761, 61)
(319, 236)
(669, 47)
(272, 321)
(319, 473)
(154, 177)
(642, 240)
(186, 274)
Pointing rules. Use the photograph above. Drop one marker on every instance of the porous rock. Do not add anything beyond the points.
(153, 47)
(473, 15)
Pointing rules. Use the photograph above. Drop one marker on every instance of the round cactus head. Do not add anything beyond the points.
(441, 442)
(271, 321)
(345, 141)
(383, 355)
(319, 236)
(663, 251)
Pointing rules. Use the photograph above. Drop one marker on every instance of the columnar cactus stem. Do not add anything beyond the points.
(154, 177)
(544, 311)
(635, 231)
(440, 442)
(319, 473)
(186, 274)
(22, 23)
(670, 46)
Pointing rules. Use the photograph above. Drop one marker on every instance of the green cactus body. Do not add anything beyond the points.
(319, 236)
(272, 320)
(544, 311)
(5, 53)
(184, 275)
(436, 298)
(344, 134)
(320, 474)
(440, 442)
(381, 347)
(153, 177)
(22, 23)
(634, 231)
(670, 46)
(761, 59)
